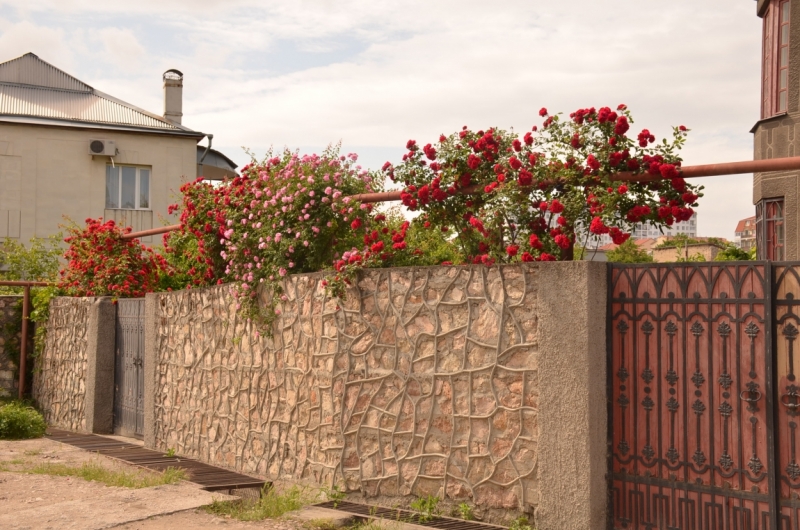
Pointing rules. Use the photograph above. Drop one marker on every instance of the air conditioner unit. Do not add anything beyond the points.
(102, 147)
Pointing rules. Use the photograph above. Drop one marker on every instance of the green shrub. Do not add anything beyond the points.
(19, 421)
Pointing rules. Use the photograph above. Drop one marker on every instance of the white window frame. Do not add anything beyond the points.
(137, 191)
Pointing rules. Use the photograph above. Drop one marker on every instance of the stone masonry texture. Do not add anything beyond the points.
(8, 383)
(424, 381)
(60, 372)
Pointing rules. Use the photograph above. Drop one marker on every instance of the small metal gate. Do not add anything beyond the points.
(129, 369)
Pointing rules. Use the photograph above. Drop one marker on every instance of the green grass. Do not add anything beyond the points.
(272, 504)
(320, 524)
(94, 472)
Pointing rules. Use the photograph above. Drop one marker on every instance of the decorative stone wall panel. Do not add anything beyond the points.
(424, 381)
(8, 383)
(60, 376)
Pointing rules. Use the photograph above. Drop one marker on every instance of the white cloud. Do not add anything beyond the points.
(22, 37)
(122, 48)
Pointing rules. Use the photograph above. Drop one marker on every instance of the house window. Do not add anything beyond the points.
(783, 56)
(127, 188)
(775, 60)
(770, 230)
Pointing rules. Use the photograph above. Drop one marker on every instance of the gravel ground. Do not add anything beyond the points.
(43, 502)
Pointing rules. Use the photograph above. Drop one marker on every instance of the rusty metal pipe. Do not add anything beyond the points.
(726, 168)
(151, 232)
(706, 170)
(23, 343)
(388, 196)
(15, 283)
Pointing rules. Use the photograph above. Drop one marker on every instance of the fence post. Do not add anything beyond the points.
(23, 341)
(100, 349)
(573, 414)
(150, 368)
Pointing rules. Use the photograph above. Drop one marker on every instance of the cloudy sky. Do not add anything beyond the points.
(372, 74)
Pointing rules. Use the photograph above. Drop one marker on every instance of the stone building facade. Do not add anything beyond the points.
(777, 133)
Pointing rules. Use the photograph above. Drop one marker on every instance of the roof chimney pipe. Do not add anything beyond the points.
(173, 96)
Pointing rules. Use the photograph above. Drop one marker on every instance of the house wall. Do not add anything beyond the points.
(668, 255)
(8, 383)
(46, 173)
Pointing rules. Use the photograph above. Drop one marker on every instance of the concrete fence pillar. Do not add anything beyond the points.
(573, 412)
(100, 346)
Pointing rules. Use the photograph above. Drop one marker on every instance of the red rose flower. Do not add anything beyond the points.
(556, 206)
(598, 227)
(562, 241)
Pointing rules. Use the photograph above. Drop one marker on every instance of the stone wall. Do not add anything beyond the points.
(60, 374)
(425, 382)
(8, 383)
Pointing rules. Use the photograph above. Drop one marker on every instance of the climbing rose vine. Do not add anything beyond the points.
(535, 197)
(101, 263)
(482, 196)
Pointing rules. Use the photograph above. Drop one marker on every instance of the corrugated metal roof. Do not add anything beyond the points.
(30, 70)
(30, 87)
(22, 100)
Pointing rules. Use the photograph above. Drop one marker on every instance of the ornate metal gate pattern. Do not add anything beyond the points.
(128, 368)
(787, 414)
(689, 370)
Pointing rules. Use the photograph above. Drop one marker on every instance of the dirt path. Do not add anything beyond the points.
(29, 501)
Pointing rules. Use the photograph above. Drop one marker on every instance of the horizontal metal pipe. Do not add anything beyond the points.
(388, 196)
(151, 232)
(16, 283)
(706, 170)
(725, 168)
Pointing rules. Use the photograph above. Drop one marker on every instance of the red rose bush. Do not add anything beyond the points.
(533, 198)
(101, 263)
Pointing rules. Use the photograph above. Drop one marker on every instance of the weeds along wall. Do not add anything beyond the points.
(59, 385)
(8, 305)
(425, 382)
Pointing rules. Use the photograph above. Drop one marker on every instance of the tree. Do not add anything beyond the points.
(629, 252)
(38, 261)
(734, 253)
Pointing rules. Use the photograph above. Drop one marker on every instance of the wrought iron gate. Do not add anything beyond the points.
(691, 408)
(129, 368)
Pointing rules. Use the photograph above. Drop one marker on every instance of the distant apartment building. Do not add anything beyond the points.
(745, 235)
(648, 230)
